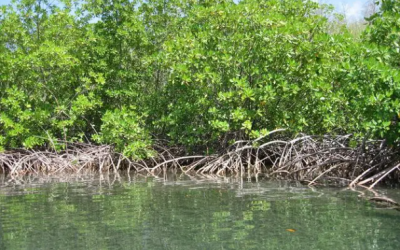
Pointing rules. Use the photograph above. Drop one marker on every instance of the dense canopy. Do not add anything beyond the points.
(197, 73)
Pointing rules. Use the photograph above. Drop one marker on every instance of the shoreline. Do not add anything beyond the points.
(378, 197)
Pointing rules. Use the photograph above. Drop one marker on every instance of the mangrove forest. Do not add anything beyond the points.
(280, 87)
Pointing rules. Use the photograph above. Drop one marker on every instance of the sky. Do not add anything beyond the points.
(353, 9)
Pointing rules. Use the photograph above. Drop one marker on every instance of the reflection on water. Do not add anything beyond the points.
(188, 212)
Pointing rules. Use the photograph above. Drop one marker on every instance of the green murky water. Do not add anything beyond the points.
(182, 212)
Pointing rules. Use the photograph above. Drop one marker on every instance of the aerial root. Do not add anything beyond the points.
(76, 157)
(309, 159)
(312, 159)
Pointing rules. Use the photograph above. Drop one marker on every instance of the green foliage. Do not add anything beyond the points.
(383, 56)
(198, 73)
(124, 129)
(385, 31)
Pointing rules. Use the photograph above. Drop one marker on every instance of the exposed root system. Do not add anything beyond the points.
(311, 159)
(76, 157)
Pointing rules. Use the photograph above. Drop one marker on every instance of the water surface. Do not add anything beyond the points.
(188, 212)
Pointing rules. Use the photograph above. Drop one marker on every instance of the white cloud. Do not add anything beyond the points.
(354, 10)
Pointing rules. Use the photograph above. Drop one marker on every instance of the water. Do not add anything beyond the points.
(186, 212)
